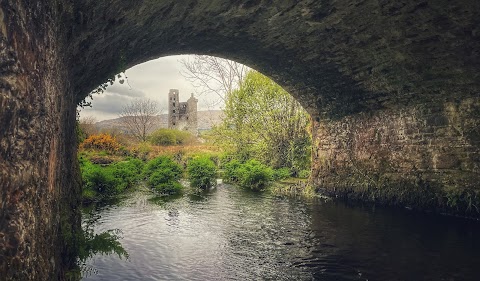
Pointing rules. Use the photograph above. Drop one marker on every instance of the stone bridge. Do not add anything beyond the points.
(392, 87)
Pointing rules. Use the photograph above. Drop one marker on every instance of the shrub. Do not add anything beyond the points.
(98, 180)
(184, 137)
(282, 173)
(101, 159)
(162, 163)
(163, 174)
(230, 173)
(163, 137)
(170, 137)
(201, 172)
(164, 182)
(142, 150)
(101, 142)
(254, 175)
(128, 172)
(225, 158)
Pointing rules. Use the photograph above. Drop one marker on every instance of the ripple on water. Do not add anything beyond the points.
(230, 234)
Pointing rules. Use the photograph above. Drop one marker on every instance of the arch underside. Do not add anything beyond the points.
(336, 57)
(392, 87)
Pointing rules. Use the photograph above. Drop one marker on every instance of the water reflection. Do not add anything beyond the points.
(93, 244)
(393, 244)
(232, 234)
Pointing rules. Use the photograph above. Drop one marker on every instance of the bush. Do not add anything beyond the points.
(164, 182)
(101, 142)
(142, 150)
(162, 163)
(97, 180)
(202, 172)
(163, 175)
(100, 182)
(184, 137)
(163, 137)
(128, 172)
(230, 173)
(225, 158)
(282, 173)
(170, 137)
(254, 175)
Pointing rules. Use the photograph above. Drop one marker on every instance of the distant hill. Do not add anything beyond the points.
(209, 118)
(206, 120)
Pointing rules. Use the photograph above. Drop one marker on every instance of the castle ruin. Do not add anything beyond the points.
(182, 115)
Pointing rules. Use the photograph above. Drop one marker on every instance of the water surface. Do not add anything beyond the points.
(232, 234)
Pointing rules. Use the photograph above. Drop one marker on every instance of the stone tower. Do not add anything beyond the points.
(173, 108)
(191, 116)
(182, 115)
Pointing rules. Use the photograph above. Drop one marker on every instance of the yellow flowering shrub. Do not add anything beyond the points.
(101, 142)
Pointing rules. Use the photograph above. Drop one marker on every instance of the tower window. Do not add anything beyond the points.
(173, 111)
(173, 104)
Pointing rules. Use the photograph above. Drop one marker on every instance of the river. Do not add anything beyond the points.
(232, 234)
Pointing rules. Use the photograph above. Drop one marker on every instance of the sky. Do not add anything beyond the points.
(151, 80)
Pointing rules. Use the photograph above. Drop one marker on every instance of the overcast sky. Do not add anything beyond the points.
(151, 80)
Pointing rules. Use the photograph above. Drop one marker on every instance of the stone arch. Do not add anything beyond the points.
(336, 58)
(402, 75)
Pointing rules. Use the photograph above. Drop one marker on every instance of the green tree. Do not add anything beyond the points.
(264, 122)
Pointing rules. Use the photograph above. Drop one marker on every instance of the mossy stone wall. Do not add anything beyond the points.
(425, 156)
(39, 190)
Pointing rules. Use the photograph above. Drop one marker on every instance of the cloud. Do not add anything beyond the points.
(98, 115)
(109, 103)
(124, 90)
(151, 80)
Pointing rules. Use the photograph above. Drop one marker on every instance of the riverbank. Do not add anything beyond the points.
(420, 198)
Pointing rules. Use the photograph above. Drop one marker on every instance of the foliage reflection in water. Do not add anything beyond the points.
(232, 234)
(93, 243)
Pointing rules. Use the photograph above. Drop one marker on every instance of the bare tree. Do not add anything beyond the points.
(139, 117)
(87, 125)
(213, 75)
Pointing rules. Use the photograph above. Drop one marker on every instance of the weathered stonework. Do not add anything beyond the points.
(182, 115)
(337, 57)
(424, 156)
(38, 194)
(392, 86)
